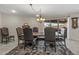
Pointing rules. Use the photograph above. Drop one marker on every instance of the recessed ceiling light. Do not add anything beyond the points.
(13, 11)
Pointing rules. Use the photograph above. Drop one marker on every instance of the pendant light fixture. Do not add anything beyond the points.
(39, 18)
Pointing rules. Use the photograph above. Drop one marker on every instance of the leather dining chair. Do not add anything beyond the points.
(28, 37)
(50, 37)
(35, 29)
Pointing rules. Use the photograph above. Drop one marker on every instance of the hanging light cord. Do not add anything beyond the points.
(33, 8)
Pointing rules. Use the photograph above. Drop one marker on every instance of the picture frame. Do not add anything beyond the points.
(75, 22)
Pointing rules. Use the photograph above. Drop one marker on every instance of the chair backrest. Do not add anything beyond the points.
(19, 31)
(25, 26)
(49, 34)
(28, 36)
(35, 29)
(5, 31)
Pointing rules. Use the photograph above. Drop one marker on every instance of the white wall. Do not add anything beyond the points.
(13, 21)
(0, 21)
(73, 37)
(0, 26)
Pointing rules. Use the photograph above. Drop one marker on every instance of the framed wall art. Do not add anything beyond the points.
(75, 22)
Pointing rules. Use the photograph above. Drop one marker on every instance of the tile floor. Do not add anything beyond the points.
(5, 48)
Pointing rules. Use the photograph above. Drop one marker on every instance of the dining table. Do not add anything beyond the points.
(39, 35)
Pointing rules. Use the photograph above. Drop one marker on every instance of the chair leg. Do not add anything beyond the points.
(65, 43)
(65, 47)
(18, 45)
(55, 46)
(2, 40)
(24, 45)
(6, 40)
(45, 45)
(37, 44)
(33, 45)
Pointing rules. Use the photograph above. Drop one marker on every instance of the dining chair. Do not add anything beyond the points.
(5, 35)
(28, 37)
(35, 29)
(25, 26)
(50, 37)
(61, 40)
(20, 36)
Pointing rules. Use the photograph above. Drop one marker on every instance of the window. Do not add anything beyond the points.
(53, 24)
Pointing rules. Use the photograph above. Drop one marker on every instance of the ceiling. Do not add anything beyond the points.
(47, 10)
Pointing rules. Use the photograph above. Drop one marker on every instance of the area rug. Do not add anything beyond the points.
(39, 50)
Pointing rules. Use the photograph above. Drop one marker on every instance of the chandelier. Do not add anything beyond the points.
(39, 19)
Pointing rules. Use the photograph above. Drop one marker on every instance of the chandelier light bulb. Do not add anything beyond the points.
(41, 19)
(38, 20)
